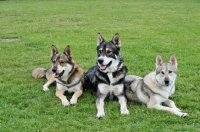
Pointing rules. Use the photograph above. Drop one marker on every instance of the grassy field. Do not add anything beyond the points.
(146, 27)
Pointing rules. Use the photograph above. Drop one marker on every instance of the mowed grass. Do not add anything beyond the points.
(146, 28)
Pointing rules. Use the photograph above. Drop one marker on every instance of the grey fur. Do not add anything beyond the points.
(156, 87)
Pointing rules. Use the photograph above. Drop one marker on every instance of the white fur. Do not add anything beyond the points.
(63, 87)
(113, 67)
(116, 90)
(162, 94)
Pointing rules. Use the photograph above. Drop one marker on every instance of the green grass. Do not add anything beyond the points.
(146, 28)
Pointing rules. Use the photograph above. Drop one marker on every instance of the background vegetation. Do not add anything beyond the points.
(28, 28)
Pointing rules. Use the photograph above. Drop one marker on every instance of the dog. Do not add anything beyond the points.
(69, 77)
(156, 87)
(106, 78)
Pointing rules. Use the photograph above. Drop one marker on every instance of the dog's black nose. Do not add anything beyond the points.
(100, 61)
(166, 80)
(54, 69)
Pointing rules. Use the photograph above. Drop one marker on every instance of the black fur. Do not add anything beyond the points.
(90, 79)
(94, 75)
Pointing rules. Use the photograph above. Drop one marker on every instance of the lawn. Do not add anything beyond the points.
(28, 28)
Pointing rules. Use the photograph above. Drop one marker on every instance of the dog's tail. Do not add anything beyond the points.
(39, 73)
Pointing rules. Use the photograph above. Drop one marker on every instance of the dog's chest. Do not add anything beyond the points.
(112, 79)
(113, 87)
(71, 86)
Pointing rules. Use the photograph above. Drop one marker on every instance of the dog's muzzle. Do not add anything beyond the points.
(166, 81)
(54, 70)
(101, 66)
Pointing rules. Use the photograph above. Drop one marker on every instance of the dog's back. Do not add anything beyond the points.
(133, 87)
(90, 79)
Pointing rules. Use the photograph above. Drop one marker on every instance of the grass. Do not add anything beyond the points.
(146, 28)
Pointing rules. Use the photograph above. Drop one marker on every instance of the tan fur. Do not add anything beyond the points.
(62, 97)
(38, 73)
(76, 95)
(71, 80)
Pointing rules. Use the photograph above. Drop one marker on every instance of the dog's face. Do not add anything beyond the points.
(109, 58)
(61, 63)
(166, 72)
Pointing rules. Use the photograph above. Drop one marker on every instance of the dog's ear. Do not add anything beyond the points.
(173, 60)
(159, 61)
(54, 50)
(100, 39)
(68, 52)
(116, 40)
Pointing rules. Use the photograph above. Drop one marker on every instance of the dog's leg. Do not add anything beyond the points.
(75, 96)
(59, 94)
(100, 105)
(123, 107)
(153, 104)
(50, 81)
(171, 104)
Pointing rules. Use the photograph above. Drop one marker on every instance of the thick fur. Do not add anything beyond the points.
(90, 80)
(107, 77)
(156, 87)
(42, 73)
(69, 77)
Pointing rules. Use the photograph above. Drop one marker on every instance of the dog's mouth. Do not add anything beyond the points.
(59, 74)
(103, 67)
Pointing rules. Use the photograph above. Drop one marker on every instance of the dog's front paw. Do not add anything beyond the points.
(100, 114)
(65, 102)
(184, 115)
(45, 88)
(73, 101)
(124, 111)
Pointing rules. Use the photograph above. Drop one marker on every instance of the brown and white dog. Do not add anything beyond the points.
(68, 75)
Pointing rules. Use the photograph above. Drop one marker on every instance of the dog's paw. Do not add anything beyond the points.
(100, 114)
(184, 115)
(124, 111)
(65, 102)
(45, 88)
(73, 101)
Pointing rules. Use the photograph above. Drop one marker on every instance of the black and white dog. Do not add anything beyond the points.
(107, 77)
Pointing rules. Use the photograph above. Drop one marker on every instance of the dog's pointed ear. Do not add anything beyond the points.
(159, 61)
(68, 52)
(54, 50)
(116, 40)
(100, 39)
(173, 60)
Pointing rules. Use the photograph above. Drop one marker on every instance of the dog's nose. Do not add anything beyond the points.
(166, 80)
(54, 69)
(100, 61)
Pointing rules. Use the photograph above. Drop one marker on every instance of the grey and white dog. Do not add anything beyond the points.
(156, 87)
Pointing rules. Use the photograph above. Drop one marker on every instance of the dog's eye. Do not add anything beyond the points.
(108, 51)
(162, 72)
(170, 71)
(53, 61)
(100, 51)
(61, 61)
